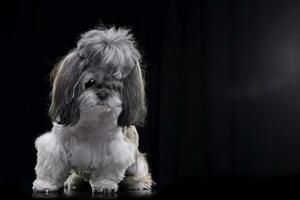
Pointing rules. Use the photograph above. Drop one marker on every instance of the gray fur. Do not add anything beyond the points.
(113, 56)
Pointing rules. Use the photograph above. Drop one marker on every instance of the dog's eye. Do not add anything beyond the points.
(89, 83)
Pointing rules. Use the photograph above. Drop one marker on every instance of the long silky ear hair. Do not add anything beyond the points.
(133, 99)
(64, 108)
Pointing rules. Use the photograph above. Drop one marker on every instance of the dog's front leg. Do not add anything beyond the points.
(51, 168)
(107, 180)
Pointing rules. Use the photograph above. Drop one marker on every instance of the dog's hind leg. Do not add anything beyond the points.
(138, 175)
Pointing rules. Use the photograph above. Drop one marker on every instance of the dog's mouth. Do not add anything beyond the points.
(103, 107)
(100, 104)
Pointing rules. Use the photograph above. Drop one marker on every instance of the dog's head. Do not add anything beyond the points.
(103, 73)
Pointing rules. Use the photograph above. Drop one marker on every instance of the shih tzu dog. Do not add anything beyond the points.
(97, 99)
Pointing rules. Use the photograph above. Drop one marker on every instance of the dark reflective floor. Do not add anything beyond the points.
(202, 189)
(87, 194)
(22, 189)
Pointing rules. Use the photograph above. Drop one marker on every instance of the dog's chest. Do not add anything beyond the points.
(87, 156)
(84, 158)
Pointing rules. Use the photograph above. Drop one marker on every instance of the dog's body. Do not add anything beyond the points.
(93, 136)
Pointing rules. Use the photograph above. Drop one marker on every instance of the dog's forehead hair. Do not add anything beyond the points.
(101, 74)
(104, 69)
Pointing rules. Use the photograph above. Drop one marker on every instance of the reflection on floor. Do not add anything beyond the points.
(88, 194)
(22, 189)
(221, 188)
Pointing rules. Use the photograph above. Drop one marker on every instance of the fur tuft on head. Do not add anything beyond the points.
(114, 49)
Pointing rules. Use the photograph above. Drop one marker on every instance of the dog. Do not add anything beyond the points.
(97, 99)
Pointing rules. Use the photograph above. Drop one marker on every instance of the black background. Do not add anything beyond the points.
(222, 83)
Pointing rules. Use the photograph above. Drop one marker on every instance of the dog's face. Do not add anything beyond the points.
(101, 75)
(99, 96)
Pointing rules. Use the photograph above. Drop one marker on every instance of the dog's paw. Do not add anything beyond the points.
(104, 186)
(42, 185)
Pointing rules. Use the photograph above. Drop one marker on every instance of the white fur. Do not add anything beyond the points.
(95, 149)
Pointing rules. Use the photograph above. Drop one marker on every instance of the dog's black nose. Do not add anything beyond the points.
(102, 95)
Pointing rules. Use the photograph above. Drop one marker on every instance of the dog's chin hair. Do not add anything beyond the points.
(97, 108)
(97, 113)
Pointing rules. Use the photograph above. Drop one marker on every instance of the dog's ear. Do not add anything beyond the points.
(64, 108)
(133, 99)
